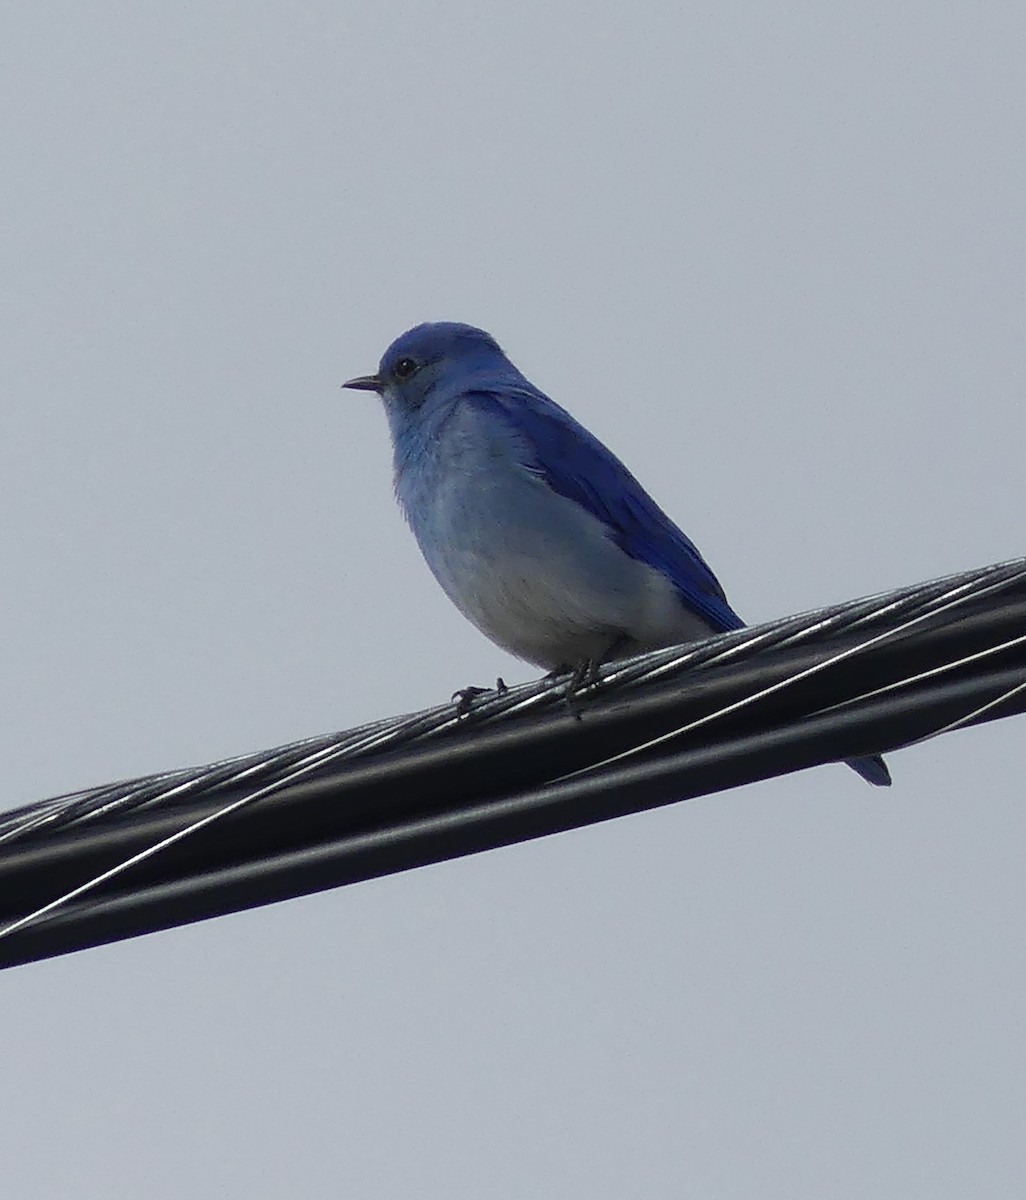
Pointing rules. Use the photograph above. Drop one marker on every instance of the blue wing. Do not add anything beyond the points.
(575, 464)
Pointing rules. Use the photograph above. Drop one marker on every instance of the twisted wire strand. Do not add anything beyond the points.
(937, 604)
(897, 612)
(881, 619)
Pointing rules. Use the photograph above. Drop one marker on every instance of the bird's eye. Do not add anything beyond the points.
(404, 368)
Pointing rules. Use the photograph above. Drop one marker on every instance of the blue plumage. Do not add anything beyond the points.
(575, 464)
(535, 530)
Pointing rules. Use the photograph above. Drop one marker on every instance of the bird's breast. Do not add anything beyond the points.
(532, 569)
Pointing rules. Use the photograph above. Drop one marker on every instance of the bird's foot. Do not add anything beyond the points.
(465, 697)
(585, 674)
(581, 677)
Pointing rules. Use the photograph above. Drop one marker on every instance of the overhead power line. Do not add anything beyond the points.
(859, 678)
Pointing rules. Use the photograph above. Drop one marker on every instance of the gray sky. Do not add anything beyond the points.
(774, 255)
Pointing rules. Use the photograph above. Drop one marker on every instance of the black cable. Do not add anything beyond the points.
(859, 678)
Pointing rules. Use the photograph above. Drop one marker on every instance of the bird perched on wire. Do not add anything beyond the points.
(536, 532)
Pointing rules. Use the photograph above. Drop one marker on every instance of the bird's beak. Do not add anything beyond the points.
(364, 383)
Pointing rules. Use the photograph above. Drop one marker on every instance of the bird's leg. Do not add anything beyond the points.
(581, 676)
(586, 672)
(574, 683)
(465, 697)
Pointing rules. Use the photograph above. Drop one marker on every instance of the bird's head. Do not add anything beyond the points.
(435, 362)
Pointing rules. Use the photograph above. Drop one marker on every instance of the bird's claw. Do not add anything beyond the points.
(580, 677)
(465, 697)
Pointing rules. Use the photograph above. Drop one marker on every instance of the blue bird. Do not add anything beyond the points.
(536, 532)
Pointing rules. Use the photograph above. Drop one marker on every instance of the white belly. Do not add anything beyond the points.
(536, 572)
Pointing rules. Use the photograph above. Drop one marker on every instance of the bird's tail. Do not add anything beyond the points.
(873, 770)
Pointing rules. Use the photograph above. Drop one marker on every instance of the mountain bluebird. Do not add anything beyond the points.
(536, 532)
